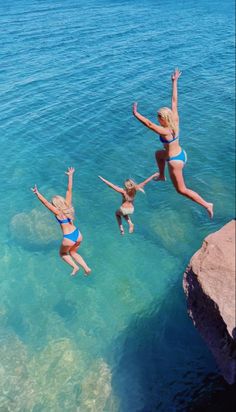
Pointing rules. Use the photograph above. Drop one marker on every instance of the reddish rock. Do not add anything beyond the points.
(209, 284)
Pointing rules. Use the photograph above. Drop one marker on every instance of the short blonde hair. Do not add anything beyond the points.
(61, 204)
(167, 114)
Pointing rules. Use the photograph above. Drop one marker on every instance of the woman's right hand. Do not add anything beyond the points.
(35, 190)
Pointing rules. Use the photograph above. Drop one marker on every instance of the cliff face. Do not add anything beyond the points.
(209, 284)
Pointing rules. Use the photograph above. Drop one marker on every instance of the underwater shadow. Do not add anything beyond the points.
(163, 365)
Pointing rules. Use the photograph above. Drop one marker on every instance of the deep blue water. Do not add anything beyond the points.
(120, 340)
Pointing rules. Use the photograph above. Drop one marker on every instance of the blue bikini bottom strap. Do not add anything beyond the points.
(73, 235)
(182, 156)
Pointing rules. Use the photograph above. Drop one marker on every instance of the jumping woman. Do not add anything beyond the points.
(128, 194)
(173, 154)
(64, 213)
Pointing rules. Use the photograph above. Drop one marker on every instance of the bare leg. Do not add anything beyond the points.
(130, 223)
(78, 258)
(160, 156)
(119, 220)
(176, 175)
(67, 258)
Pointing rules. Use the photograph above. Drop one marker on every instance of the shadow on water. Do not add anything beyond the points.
(213, 395)
(66, 310)
(163, 365)
(35, 247)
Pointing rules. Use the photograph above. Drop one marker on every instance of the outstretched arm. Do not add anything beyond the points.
(44, 201)
(70, 173)
(116, 188)
(158, 129)
(174, 102)
(142, 184)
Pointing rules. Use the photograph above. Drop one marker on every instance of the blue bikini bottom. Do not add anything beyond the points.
(182, 157)
(73, 235)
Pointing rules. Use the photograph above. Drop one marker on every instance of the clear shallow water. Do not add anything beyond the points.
(121, 339)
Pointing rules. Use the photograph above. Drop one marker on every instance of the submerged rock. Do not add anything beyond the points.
(53, 379)
(209, 284)
(34, 229)
(96, 388)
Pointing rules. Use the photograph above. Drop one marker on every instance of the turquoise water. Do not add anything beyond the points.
(120, 340)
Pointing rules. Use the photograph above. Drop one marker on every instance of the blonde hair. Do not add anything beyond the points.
(131, 185)
(167, 114)
(61, 204)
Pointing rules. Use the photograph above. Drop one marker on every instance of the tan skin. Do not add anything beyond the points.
(173, 149)
(127, 204)
(68, 249)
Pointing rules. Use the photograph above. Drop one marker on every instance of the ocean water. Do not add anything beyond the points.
(120, 340)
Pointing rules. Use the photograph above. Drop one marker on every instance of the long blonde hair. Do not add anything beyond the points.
(60, 203)
(167, 114)
(130, 185)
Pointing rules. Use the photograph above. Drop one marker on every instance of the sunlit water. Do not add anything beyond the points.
(120, 340)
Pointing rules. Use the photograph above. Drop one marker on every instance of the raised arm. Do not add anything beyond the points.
(69, 173)
(114, 187)
(44, 201)
(174, 102)
(156, 128)
(142, 184)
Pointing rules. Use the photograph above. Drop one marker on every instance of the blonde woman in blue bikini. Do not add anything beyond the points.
(128, 194)
(64, 213)
(173, 154)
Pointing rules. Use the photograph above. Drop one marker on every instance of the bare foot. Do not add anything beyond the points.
(122, 232)
(159, 177)
(210, 210)
(75, 270)
(131, 228)
(87, 272)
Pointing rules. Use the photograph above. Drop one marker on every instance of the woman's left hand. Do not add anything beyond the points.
(157, 174)
(177, 73)
(70, 171)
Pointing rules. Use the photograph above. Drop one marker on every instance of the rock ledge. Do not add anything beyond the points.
(209, 284)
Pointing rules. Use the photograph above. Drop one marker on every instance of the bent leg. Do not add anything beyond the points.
(78, 258)
(119, 221)
(176, 175)
(130, 223)
(64, 249)
(160, 156)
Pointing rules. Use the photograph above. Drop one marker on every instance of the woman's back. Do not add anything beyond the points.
(66, 223)
(129, 196)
